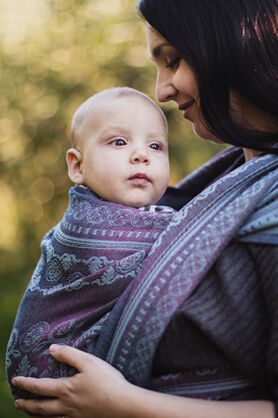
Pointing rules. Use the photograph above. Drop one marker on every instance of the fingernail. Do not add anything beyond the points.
(16, 404)
(53, 348)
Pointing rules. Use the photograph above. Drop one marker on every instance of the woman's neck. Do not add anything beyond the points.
(250, 153)
(251, 117)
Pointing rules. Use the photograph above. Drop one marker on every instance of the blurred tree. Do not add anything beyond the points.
(54, 54)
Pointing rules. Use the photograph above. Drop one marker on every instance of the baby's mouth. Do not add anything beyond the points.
(139, 179)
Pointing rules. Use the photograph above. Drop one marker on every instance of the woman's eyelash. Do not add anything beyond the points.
(172, 63)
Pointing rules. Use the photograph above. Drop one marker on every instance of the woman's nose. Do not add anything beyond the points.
(165, 90)
(139, 156)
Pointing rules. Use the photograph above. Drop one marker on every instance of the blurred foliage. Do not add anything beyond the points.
(54, 54)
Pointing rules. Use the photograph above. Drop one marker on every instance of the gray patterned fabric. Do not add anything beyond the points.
(242, 205)
(87, 262)
(229, 322)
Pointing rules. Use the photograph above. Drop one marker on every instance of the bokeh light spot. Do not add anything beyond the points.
(43, 189)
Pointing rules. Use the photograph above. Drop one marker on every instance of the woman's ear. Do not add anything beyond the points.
(74, 160)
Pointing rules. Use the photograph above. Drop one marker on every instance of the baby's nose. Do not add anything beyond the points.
(139, 155)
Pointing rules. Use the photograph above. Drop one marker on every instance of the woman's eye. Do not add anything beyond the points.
(155, 146)
(172, 63)
(118, 142)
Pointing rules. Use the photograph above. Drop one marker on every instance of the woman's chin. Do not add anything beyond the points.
(204, 133)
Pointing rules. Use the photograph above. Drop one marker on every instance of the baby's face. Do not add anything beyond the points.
(125, 152)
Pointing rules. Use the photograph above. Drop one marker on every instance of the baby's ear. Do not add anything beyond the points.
(74, 159)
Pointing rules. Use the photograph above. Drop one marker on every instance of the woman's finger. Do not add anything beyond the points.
(43, 387)
(41, 407)
(47, 416)
(69, 355)
(52, 387)
(72, 356)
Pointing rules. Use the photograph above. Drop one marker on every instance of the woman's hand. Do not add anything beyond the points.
(96, 387)
(100, 391)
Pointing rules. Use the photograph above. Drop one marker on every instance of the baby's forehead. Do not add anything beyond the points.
(110, 99)
(94, 112)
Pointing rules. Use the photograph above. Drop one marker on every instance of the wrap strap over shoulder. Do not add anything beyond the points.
(240, 205)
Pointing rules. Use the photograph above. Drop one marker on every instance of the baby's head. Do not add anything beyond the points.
(120, 147)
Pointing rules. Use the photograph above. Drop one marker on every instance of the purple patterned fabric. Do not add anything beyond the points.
(244, 205)
(87, 262)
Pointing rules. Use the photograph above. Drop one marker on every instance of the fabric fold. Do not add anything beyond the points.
(181, 257)
(87, 262)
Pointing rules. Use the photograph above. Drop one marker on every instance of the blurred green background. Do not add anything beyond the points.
(54, 54)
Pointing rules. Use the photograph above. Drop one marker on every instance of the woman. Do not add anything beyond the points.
(200, 321)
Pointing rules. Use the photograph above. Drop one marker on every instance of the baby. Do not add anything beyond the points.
(119, 163)
(120, 147)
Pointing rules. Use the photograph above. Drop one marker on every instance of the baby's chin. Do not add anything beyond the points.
(136, 199)
(137, 203)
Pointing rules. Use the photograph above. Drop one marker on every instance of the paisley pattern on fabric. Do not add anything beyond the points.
(87, 261)
(240, 205)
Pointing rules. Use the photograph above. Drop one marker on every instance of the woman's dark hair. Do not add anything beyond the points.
(229, 44)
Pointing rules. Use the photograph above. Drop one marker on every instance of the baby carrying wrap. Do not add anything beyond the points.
(87, 261)
(242, 205)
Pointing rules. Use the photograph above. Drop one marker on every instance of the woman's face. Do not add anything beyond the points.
(176, 81)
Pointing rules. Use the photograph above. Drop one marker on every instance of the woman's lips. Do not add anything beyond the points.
(140, 179)
(187, 108)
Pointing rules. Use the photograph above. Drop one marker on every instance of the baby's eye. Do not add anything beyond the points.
(119, 142)
(155, 146)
